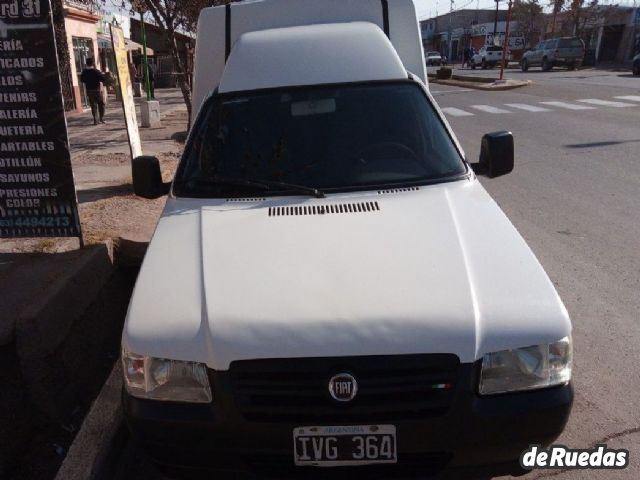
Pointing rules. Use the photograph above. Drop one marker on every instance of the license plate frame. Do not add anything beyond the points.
(344, 445)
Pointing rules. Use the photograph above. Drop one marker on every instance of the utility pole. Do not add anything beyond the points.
(450, 34)
(495, 23)
(505, 45)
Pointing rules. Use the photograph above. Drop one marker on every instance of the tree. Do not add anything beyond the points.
(557, 6)
(528, 14)
(175, 16)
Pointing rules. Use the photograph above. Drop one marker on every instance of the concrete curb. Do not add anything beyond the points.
(44, 325)
(91, 449)
(486, 86)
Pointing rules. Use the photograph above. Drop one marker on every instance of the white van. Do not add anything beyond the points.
(329, 284)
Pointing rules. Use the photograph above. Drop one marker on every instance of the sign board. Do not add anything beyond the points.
(126, 90)
(37, 193)
(516, 40)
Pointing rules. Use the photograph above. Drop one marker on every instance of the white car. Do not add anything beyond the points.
(329, 284)
(433, 58)
(488, 57)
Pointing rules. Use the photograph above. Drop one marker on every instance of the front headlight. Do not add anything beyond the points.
(527, 368)
(163, 379)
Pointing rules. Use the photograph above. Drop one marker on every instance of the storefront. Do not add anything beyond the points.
(80, 25)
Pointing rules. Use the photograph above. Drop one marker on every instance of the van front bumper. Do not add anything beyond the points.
(475, 433)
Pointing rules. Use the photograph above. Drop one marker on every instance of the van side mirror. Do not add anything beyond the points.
(147, 178)
(496, 155)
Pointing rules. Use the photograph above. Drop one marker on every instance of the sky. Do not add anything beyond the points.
(427, 8)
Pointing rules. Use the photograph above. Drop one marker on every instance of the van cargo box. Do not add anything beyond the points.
(219, 28)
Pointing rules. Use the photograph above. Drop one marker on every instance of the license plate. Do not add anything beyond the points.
(344, 445)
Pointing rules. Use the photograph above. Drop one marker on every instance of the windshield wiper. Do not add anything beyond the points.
(258, 183)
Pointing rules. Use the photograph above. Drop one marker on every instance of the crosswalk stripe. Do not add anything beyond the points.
(633, 98)
(489, 109)
(528, 108)
(568, 106)
(606, 103)
(456, 112)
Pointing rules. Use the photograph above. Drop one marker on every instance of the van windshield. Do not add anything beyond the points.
(333, 138)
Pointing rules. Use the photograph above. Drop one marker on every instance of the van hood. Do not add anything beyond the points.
(436, 269)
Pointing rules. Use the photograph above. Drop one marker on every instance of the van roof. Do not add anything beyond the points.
(311, 55)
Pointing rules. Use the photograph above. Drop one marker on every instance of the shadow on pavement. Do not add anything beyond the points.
(180, 137)
(99, 193)
(600, 144)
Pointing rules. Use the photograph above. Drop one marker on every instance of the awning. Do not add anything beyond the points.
(104, 42)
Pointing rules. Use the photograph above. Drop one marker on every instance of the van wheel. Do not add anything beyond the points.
(546, 65)
(524, 65)
(572, 66)
(473, 65)
(484, 64)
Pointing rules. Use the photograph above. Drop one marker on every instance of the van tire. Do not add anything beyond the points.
(546, 64)
(484, 64)
(524, 65)
(572, 66)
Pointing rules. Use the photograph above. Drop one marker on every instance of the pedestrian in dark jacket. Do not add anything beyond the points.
(467, 57)
(92, 78)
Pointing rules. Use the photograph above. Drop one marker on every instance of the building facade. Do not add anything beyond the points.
(610, 33)
(452, 33)
(162, 60)
(80, 22)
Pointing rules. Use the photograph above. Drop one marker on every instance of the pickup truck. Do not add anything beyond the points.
(329, 284)
(487, 57)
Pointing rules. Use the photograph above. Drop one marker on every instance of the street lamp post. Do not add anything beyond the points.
(145, 67)
(505, 45)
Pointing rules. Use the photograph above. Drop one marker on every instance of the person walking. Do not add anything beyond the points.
(92, 78)
(467, 58)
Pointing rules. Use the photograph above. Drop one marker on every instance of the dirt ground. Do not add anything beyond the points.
(107, 205)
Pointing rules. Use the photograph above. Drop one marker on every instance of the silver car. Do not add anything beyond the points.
(565, 51)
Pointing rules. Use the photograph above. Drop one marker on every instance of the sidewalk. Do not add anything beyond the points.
(102, 171)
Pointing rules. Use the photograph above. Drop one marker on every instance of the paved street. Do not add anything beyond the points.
(574, 196)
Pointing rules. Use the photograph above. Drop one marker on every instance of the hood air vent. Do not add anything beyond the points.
(245, 199)
(360, 207)
(398, 190)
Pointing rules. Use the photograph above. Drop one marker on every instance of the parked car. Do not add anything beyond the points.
(433, 58)
(636, 65)
(487, 57)
(329, 284)
(565, 51)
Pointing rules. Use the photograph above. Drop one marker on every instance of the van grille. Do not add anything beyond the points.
(359, 207)
(389, 388)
